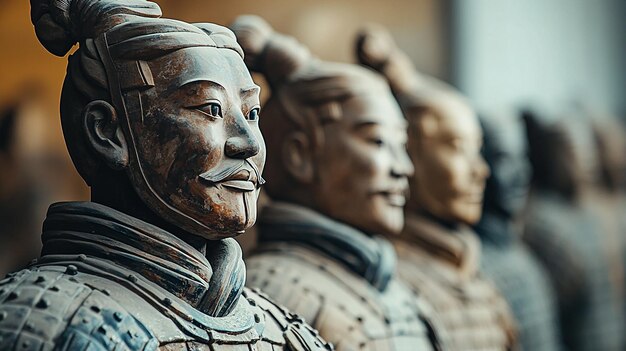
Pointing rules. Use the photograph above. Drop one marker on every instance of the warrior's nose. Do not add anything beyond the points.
(242, 147)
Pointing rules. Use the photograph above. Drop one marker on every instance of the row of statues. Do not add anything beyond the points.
(163, 121)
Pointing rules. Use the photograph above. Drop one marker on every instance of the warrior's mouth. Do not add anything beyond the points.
(394, 198)
(242, 180)
(243, 176)
(395, 195)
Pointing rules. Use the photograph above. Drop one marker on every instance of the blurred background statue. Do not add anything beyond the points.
(505, 257)
(610, 200)
(338, 169)
(439, 255)
(566, 233)
(160, 118)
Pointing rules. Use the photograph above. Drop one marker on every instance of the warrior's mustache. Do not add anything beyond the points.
(230, 168)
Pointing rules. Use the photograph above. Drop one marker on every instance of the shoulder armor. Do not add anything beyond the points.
(280, 324)
(50, 310)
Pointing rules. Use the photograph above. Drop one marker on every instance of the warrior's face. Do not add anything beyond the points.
(199, 152)
(506, 153)
(444, 144)
(572, 163)
(363, 174)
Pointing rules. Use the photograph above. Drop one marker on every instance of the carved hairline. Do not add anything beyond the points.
(130, 45)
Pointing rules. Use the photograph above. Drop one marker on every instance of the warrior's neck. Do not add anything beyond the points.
(494, 221)
(117, 192)
(448, 224)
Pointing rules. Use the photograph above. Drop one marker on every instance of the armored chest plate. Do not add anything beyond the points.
(345, 309)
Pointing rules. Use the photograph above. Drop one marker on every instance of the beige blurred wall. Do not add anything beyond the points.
(30, 74)
(25, 66)
(328, 27)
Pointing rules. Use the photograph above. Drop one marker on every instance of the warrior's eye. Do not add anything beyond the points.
(212, 109)
(377, 141)
(253, 115)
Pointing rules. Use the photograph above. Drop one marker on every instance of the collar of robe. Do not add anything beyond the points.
(460, 247)
(371, 257)
(110, 241)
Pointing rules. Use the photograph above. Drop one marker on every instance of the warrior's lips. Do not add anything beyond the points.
(242, 180)
(394, 198)
(473, 197)
(235, 176)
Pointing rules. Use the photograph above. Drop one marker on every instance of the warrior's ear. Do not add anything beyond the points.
(104, 133)
(297, 154)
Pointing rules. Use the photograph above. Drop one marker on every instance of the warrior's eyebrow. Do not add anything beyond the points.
(251, 90)
(201, 81)
(367, 122)
(364, 124)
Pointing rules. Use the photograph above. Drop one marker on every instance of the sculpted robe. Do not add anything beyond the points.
(442, 264)
(523, 282)
(566, 239)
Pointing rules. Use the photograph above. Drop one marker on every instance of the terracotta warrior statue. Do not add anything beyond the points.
(506, 259)
(439, 255)
(567, 235)
(336, 157)
(161, 120)
(610, 136)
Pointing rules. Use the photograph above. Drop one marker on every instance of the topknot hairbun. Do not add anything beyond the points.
(52, 25)
(374, 46)
(275, 55)
(376, 49)
(60, 24)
